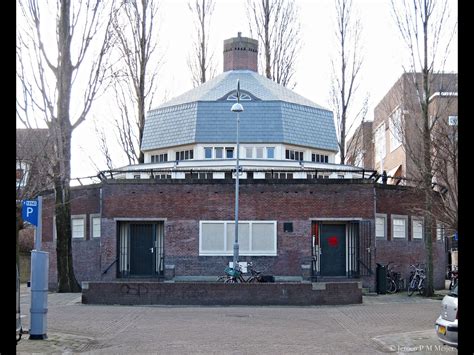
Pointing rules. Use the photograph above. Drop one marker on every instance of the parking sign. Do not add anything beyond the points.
(29, 211)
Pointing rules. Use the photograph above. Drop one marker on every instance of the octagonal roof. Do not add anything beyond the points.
(272, 114)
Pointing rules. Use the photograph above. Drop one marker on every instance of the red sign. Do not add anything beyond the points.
(333, 241)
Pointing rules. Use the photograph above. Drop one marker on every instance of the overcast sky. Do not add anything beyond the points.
(383, 51)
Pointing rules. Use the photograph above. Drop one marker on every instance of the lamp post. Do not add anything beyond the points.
(237, 107)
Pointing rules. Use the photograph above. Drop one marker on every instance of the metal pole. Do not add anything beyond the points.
(38, 229)
(39, 283)
(237, 170)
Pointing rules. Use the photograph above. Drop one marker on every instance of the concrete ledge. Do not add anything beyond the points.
(209, 294)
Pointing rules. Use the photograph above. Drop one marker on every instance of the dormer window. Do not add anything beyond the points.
(243, 97)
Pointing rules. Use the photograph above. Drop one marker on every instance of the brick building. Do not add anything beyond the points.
(320, 229)
(301, 217)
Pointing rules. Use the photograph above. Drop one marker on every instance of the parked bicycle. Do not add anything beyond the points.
(235, 275)
(417, 280)
(394, 279)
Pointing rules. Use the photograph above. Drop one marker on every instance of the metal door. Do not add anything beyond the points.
(142, 249)
(333, 249)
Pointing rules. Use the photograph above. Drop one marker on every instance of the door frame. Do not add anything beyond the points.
(123, 271)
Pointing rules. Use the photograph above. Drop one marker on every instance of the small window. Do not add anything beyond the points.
(229, 153)
(137, 176)
(399, 227)
(381, 226)
(417, 228)
(439, 231)
(77, 225)
(288, 227)
(270, 152)
(95, 227)
(208, 152)
(248, 152)
(218, 152)
(259, 152)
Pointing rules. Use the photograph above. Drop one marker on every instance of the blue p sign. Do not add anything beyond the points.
(29, 211)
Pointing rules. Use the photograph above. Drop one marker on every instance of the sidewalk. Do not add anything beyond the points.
(382, 324)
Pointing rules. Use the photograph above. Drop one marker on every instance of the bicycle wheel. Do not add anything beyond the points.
(391, 286)
(421, 287)
(412, 286)
(221, 278)
(252, 279)
(231, 280)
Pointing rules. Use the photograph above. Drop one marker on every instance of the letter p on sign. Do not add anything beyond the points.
(29, 211)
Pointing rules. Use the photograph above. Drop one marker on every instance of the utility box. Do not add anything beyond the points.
(381, 278)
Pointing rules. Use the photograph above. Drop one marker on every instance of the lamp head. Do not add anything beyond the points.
(237, 107)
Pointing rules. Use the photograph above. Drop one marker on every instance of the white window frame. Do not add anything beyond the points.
(259, 150)
(91, 225)
(78, 216)
(230, 252)
(401, 217)
(268, 150)
(208, 150)
(384, 216)
(221, 150)
(247, 151)
(413, 220)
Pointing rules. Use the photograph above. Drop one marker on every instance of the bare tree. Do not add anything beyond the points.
(134, 24)
(275, 23)
(346, 72)
(53, 70)
(201, 62)
(423, 25)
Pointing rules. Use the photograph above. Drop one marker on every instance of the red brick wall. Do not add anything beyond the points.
(182, 204)
(406, 201)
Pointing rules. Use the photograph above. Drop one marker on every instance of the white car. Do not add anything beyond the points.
(447, 323)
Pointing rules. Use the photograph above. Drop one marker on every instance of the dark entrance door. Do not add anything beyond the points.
(333, 249)
(142, 251)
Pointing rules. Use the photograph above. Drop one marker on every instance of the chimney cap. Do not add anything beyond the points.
(239, 34)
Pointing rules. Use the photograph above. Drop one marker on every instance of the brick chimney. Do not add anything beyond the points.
(240, 53)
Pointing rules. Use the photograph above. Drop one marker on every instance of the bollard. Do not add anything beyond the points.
(39, 294)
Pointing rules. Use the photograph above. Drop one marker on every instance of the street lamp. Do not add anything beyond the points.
(237, 107)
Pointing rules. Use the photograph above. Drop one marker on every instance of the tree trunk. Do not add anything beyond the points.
(62, 168)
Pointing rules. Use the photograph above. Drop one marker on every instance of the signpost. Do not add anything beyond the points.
(31, 212)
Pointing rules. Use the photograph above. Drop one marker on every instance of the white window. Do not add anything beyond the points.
(229, 153)
(399, 227)
(95, 226)
(395, 127)
(380, 143)
(255, 238)
(248, 152)
(259, 152)
(381, 226)
(208, 152)
(78, 226)
(417, 228)
(218, 152)
(439, 231)
(270, 152)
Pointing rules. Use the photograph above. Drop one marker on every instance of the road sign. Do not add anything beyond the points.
(29, 211)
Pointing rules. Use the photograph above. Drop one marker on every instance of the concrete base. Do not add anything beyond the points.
(213, 293)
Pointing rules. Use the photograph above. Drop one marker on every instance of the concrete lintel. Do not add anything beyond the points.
(318, 286)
